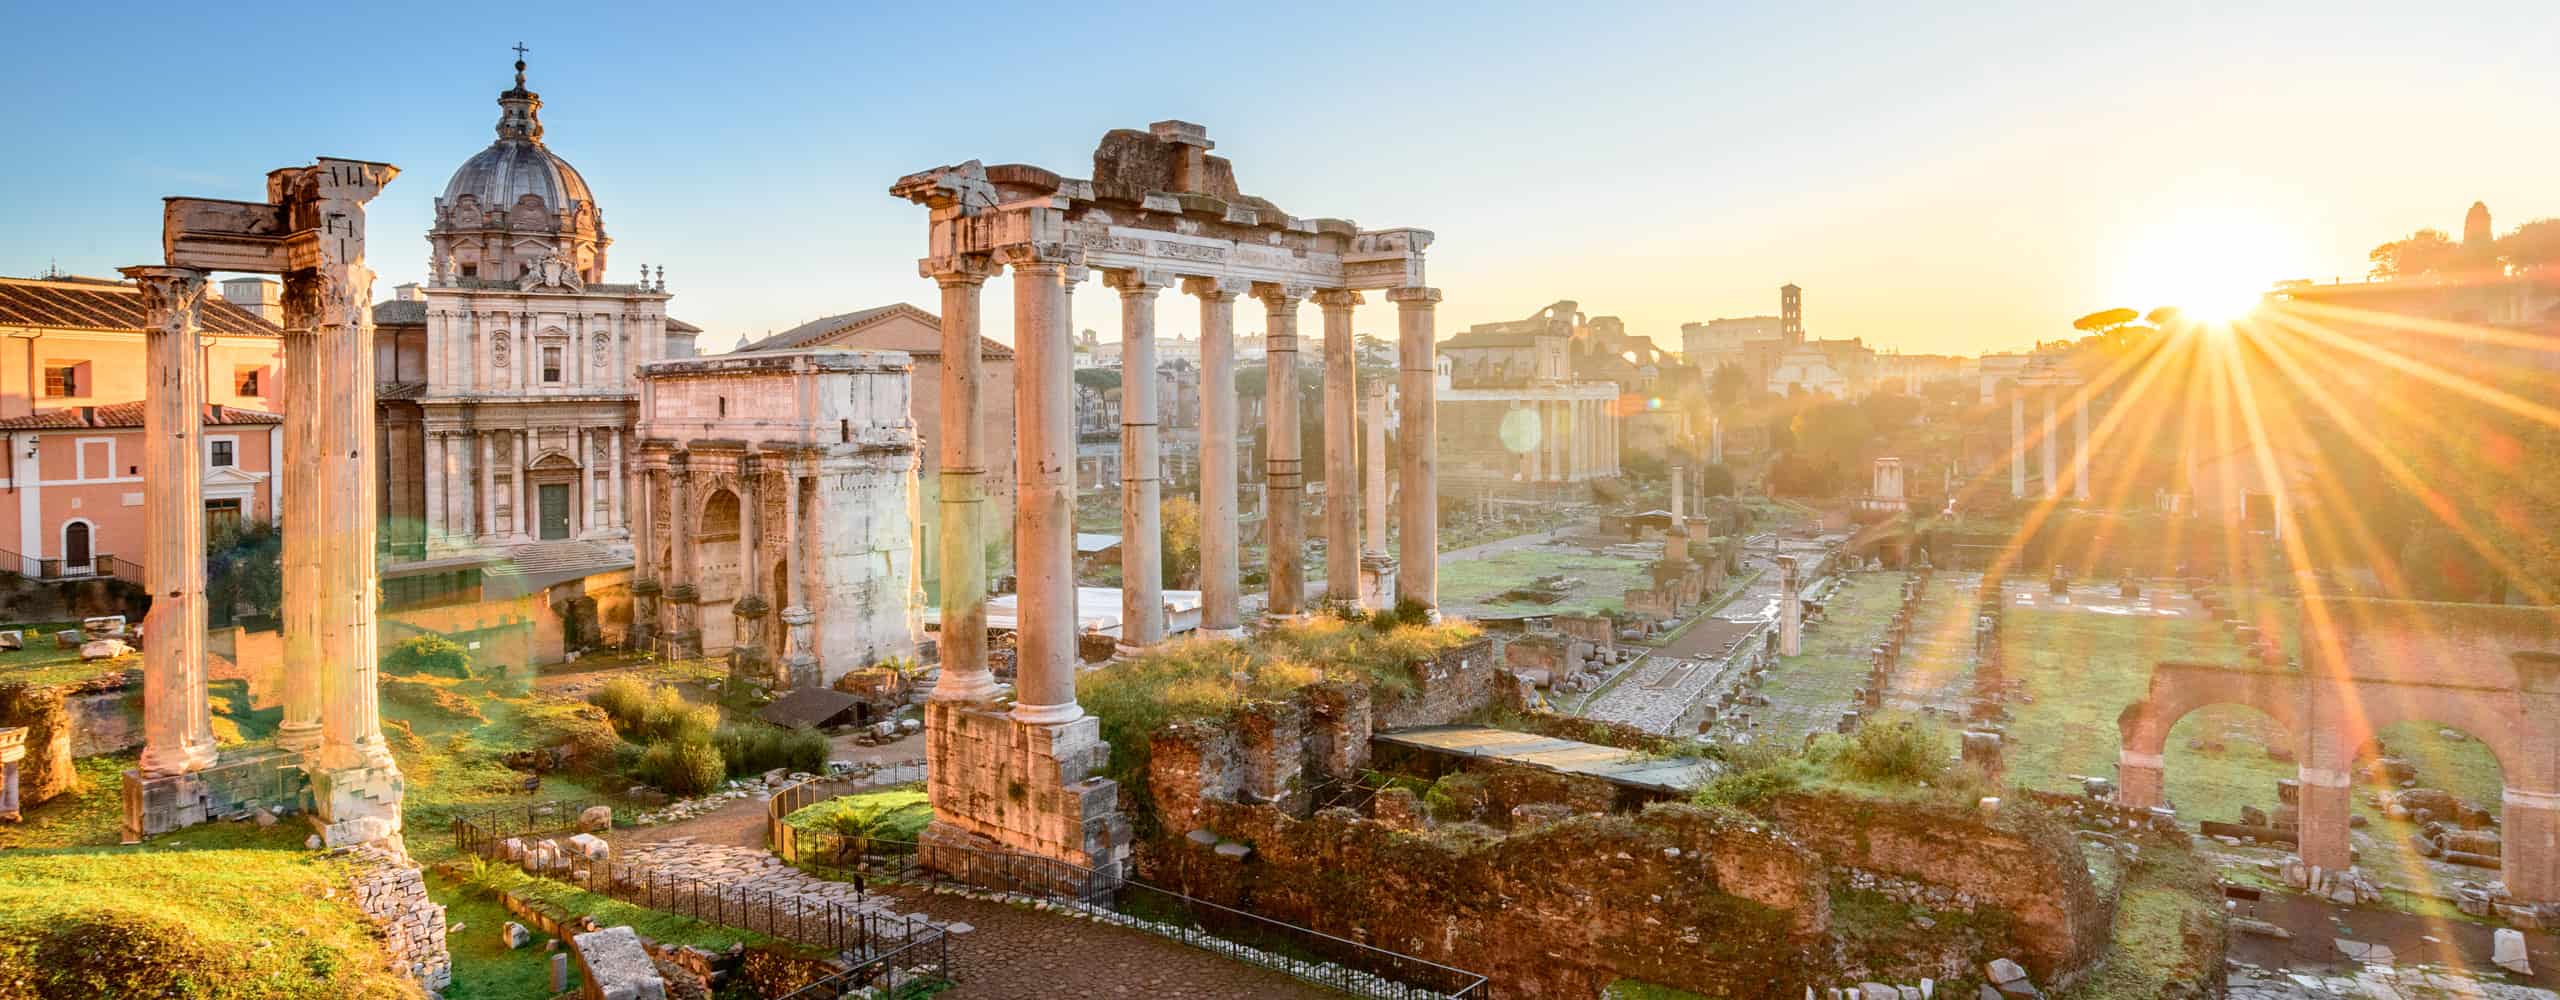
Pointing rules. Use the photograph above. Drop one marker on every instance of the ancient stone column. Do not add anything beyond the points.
(1044, 681)
(1418, 520)
(487, 516)
(2139, 779)
(613, 484)
(1221, 592)
(646, 572)
(1679, 499)
(2052, 473)
(2018, 444)
(963, 557)
(177, 724)
(1715, 441)
(1790, 608)
(1341, 447)
(300, 730)
(1141, 469)
(1283, 527)
(800, 656)
(684, 636)
(350, 723)
(1375, 564)
(434, 528)
(2326, 803)
(2080, 448)
(2529, 851)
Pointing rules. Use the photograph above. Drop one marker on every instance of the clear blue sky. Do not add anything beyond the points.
(1937, 181)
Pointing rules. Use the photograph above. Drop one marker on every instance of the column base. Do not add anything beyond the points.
(299, 737)
(1047, 715)
(974, 688)
(1223, 633)
(1007, 794)
(801, 671)
(185, 758)
(357, 805)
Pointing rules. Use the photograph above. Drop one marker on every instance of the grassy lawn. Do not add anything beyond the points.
(42, 663)
(227, 910)
(898, 814)
(2161, 895)
(1471, 585)
(1808, 691)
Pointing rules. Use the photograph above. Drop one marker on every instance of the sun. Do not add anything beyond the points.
(2212, 268)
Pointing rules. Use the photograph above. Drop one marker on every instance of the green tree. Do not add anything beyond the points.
(1728, 388)
(1180, 518)
(2426, 251)
(244, 568)
(2532, 245)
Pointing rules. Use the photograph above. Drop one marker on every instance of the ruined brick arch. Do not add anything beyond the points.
(2489, 671)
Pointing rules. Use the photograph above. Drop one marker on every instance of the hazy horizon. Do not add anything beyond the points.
(1936, 184)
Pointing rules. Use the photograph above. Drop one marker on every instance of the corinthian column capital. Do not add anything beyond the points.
(1216, 288)
(958, 269)
(1138, 283)
(173, 297)
(1332, 299)
(1278, 296)
(1043, 256)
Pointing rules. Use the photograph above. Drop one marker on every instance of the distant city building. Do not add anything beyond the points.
(2488, 296)
(1517, 412)
(71, 389)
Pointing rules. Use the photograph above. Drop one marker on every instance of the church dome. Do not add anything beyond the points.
(509, 169)
(518, 164)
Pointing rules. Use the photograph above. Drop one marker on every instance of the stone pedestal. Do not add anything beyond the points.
(747, 655)
(1001, 785)
(2327, 801)
(684, 611)
(644, 615)
(800, 662)
(2138, 780)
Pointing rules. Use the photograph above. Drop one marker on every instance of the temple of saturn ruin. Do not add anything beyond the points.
(1019, 770)
(329, 756)
(778, 478)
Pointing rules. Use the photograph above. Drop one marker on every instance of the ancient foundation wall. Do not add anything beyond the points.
(998, 785)
(1678, 896)
(2025, 864)
(1459, 684)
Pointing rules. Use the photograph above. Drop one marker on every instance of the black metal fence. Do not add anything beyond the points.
(871, 940)
(1109, 895)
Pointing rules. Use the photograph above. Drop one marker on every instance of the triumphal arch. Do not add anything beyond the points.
(2491, 671)
(1019, 770)
(329, 755)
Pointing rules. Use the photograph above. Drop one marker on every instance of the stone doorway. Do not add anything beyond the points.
(554, 524)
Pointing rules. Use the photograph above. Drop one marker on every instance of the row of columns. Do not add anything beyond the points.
(2051, 430)
(1044, 277)
(462, 487)
(1577, 440)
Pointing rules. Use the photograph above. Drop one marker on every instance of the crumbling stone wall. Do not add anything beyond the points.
(1707, 902)
(1458, 684)
(47, 770)
(393, 895)
(2024, 864)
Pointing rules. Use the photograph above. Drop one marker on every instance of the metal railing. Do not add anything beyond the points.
(864, 937)
(50, 568)
(1110, 896)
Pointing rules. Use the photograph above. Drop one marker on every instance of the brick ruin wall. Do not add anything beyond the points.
(1589, 884)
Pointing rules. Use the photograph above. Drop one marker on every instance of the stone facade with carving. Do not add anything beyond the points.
(773, 520)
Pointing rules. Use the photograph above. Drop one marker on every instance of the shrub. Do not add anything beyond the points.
(1755, 774)
(428, 654)
(646, 715)
(1897, 751)
(681, 766)
(757, 747)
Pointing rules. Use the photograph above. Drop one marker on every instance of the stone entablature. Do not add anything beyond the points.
(778, 480)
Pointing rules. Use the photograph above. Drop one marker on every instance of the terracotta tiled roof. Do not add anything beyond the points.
(826, 327)
(129, 415)
(92, 304)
